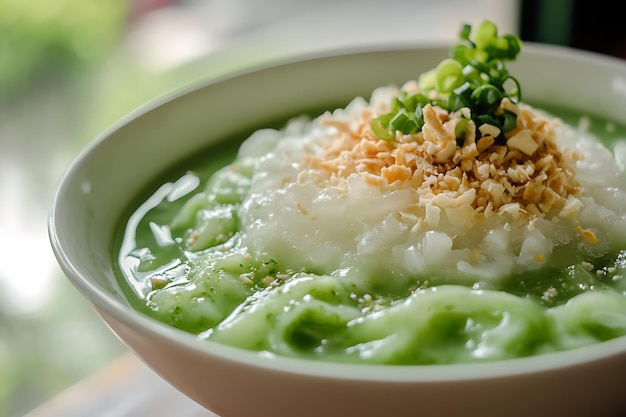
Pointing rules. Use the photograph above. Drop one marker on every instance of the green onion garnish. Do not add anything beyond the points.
(474, 76)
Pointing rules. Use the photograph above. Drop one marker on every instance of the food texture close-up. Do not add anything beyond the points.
(227, 208)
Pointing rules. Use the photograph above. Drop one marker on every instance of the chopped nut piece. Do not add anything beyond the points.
(549, 294)
(158, 282)
(485, 142)
(523, 141)
(489, 130)
(246, 278)
(587, 266)
(268, 280)
(446, 152)
(527, 178)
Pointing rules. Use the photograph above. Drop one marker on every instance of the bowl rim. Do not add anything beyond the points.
(107, 303)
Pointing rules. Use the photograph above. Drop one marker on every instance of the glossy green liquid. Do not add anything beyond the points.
(254, 304)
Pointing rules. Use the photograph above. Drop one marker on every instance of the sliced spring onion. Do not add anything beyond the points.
(402, 122)
(474, 76)
(449, 75)
(427, 80)
(460, 130)
(508, 120)
(512, 89)
(486, 99)
(380, 127)
(486, 34)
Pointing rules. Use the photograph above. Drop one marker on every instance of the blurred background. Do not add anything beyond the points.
(71, 68)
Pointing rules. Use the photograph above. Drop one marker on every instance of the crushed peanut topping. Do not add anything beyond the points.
(519, 173)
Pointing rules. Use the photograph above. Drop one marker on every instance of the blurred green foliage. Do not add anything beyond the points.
(46, 351)
(45, 48)
(67, 74)
(43, 37)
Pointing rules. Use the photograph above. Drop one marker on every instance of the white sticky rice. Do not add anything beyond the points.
(359, 231)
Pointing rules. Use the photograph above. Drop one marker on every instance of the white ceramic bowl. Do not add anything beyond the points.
(99, 187)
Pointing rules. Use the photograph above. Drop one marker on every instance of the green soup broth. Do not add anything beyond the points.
(217, 292)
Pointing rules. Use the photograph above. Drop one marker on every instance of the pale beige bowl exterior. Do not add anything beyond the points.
(98, 188)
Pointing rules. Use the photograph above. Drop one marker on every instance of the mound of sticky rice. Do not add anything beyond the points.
(330, 197)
